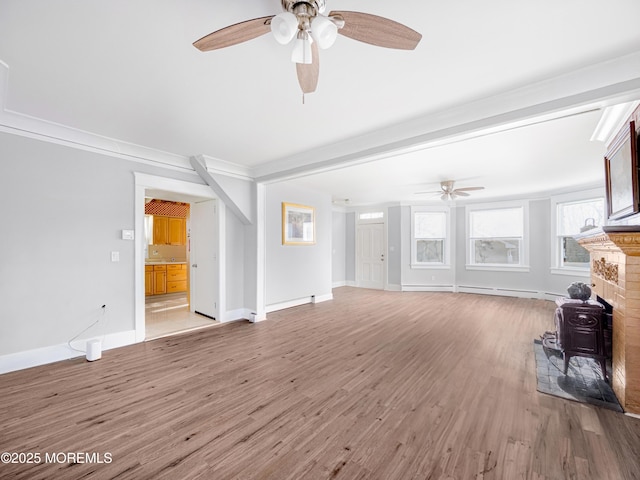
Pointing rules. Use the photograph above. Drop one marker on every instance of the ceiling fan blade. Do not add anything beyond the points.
(378, 31)
(468, 189)
(459, 193)
(233, 34)
(308, 73)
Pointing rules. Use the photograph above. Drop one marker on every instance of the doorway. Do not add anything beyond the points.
(174, 312)
(172, 229)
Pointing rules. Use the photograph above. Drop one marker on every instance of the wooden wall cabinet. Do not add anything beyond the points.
(169, 230)
(160, 230)
(177, 231)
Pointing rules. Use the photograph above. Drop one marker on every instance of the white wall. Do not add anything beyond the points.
(296, 271)
(235, 254)
(394, 247)
(67, 210)
(350, 248)
(338, 248)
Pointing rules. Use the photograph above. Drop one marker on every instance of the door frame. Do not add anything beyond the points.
(188, 192)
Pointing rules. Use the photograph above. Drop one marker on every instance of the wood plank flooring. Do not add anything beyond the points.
(371, 385)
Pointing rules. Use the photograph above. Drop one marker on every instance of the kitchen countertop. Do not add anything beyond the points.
(163, 262)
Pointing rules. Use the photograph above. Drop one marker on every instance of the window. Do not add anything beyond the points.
(371, 216)
(148, 229)
(573, 218)
(497, 237)
(429, 235)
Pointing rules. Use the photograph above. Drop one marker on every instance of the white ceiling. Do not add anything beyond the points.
(383, 123)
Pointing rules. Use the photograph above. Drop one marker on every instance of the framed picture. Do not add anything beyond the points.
(621, 174)
(298, 224)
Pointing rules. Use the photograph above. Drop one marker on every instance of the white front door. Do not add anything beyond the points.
(370, 256)
(204, 264)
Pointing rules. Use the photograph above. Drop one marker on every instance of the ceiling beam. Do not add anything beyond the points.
(199, 165)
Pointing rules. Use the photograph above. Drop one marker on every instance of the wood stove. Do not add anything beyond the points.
(580, 329)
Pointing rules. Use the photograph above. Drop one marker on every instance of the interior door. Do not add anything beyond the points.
(204, 264)
(370, 256)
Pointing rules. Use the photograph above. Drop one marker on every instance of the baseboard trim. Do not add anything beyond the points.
(342, 283)
(321, 298)
(237, 314)
(55, 353)
(508, 292)
(393, 287)
(428, 288)
(298, 301)
(274, 307)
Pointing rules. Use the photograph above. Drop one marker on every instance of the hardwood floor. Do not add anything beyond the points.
(371, 385)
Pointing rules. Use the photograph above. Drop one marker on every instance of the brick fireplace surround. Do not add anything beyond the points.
(615, 276)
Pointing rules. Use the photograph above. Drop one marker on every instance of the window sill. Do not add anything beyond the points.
(574, 272)
(431, 266)
(500, 268)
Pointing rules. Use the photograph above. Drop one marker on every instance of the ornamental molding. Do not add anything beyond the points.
(606, 270)
(627, 243)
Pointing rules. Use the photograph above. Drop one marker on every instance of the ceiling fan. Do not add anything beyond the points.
(304, 23)
(448, 192)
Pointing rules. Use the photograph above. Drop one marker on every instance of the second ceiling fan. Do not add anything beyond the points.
(304, 23)
(448, 192)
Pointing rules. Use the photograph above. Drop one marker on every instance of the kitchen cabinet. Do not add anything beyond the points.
(160, 230)
(148, 279)
(169, 230)
(176, 278)
(177, 231)
(165, 278)
(159, 279)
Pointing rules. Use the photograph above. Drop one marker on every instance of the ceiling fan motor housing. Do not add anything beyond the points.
(313, 7)
(447, 186)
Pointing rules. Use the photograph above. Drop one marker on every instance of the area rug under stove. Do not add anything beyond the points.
(583, 382)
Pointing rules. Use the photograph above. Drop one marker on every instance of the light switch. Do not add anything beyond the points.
(115, 256)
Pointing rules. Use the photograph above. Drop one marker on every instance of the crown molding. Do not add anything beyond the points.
(230, 169)
(612, 120)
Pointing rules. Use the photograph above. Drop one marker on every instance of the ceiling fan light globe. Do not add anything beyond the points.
(324, 31)
(302, 50)
(284, 27)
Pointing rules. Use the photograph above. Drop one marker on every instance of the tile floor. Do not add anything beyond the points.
(169, 314)
(583, 382)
